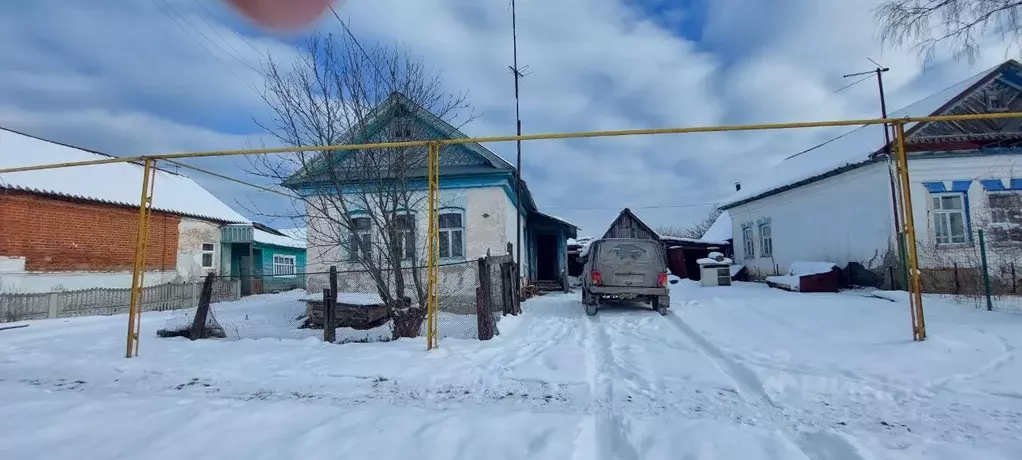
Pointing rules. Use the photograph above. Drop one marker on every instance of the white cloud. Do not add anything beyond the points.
(135, 77)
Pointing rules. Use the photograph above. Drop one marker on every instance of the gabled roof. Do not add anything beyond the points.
(720, 230)
(458, 159)
(628, 212)
(855, 147)
(114, 183)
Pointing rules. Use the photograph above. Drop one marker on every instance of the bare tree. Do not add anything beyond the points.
(360, 205)
(960, 25)
(695, 230)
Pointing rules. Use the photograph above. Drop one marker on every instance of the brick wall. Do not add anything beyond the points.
(55, 234)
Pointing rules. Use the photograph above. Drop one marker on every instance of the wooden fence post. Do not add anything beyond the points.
(484, 312)
(330, 308)
(202, 312)
(329, 332)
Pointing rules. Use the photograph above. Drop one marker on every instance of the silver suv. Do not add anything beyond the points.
(625, 268)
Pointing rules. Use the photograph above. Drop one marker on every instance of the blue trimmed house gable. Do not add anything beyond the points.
(472, 178)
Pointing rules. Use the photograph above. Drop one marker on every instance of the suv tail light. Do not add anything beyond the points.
(597, 279)
(661, 279)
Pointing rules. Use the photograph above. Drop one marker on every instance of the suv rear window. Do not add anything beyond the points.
(626, 252)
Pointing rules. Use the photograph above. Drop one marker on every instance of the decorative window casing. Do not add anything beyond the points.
(950, 224)
(404, 235)
(452, 234)
(360, 245)
(284, 265)
(748, 241)
(208, 253)
(766, 241)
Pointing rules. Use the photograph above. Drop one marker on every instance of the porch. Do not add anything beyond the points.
(547, 245)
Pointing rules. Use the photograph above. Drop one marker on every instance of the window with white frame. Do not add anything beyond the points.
(360, 246)
(404, 235)
(452, 233)
(1005, 208)
(766, 242)
(748, 242)
(949, 226)
(283, 265)
(208, 251)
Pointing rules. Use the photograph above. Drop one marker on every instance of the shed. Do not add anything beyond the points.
(628, 225)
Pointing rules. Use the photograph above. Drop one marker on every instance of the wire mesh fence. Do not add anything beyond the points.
(361, 313)
(982, 271)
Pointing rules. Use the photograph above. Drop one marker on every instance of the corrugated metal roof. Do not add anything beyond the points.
(115, 183)
(850, 148)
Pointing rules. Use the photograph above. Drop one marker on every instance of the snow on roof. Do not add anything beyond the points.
(264, 237)
(552, 217)
(851, 148)
(299, 233)
(720, 230)
(115, 183)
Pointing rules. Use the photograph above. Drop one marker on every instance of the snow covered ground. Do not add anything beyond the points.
(733, 372)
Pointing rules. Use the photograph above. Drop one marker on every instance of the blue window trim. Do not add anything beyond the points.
(960, 187)
(997, 185)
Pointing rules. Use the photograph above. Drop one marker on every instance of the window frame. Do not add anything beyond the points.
(749, 242)
(766, 241)
(403, 236)
(1000, 106)
(938, 212)
(363, 250)
(1017, 194)
(446, 235)
(294, 265)
(203, 252)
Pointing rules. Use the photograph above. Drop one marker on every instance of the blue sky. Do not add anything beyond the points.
(150, 76)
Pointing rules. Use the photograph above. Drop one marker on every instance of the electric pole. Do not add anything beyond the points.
(518, 144)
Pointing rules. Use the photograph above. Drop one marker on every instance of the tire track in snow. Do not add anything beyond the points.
(815, 445)
(603, 432)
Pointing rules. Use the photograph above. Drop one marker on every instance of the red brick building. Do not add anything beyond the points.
(74, 228)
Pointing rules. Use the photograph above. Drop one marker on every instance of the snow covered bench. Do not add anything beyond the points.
(354, 309)
(808, 277)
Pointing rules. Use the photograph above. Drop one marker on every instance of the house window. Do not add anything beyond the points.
(749, 242)
(452, 233)
(1005, 208)
(208, 249)
(995, 102)
(360, 247)
(404, 235)
(402, 129)
(283, 265)
(949, 218)
(766, 242)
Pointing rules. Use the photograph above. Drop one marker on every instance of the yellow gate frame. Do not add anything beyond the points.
(904, 198)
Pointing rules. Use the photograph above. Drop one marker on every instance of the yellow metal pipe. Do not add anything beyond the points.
(528, 137)
(137, 274)
(433, 243)
(911, 248)
(221, 176)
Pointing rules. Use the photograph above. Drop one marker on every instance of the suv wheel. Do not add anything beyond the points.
(592, 305)
(660, 304)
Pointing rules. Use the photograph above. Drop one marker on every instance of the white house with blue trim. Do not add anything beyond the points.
(833, 202)
(478, 201)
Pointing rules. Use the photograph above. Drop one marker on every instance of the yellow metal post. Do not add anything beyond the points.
(433, 246)
(138, 271)
(909, 232)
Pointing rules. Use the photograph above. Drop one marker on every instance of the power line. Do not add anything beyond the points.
(218, 34)
(211, 53)
(196, 29)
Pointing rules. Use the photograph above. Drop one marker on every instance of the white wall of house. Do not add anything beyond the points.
(14, 278)
(839, 219)
(192, 235)
(485, 228)
(962, 168)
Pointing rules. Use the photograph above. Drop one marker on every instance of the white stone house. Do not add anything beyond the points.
(833, 202)
(75, 228)
(478, 202)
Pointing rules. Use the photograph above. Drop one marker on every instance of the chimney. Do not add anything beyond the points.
(738, 186)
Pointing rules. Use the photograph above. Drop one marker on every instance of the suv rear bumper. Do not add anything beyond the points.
(628, 291)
